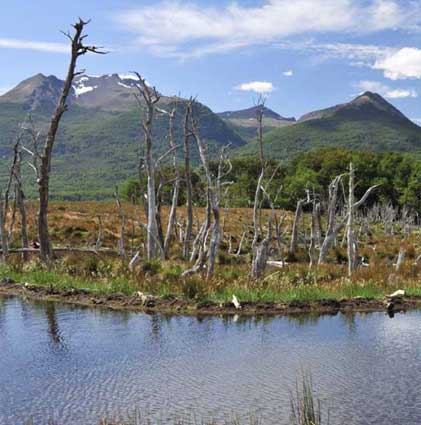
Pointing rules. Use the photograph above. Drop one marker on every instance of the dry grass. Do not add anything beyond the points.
(76, 224)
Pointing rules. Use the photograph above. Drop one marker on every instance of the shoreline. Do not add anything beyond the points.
(148, 304)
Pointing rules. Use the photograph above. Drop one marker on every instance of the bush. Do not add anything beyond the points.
(152, 267)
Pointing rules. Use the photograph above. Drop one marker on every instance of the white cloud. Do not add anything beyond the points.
(8, 43)
(173, 26)
(260, 87)
(288, 73)
(401, 64)
(416, 120)
(385, 90)
(396, 63)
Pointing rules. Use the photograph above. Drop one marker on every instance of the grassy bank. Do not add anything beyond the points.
(102, 280)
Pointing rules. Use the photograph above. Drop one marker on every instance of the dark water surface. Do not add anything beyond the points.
(74, 365)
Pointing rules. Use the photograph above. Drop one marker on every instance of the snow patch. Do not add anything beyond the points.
(128, 77)
(81, 89)
(125, 85)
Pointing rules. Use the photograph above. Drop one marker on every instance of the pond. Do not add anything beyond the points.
(75, 365)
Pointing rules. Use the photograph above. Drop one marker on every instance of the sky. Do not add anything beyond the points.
(301, 55)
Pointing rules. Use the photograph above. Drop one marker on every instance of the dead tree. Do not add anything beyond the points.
(98, 243)
(313, 232)
(214, 196)
(121, 243)
(151, 98)
(3, 235)
(16, 174)
(332, 226)
(260, 256)
(260, 108)
(78, 48)
(187, 178)
(176, 186)
(352, 206)
(259, 250)
(297, 219)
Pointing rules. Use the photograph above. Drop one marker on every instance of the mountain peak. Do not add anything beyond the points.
(365, 106)
(251, 113)
(38, 91)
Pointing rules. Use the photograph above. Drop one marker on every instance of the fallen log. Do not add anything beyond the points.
(64, 249)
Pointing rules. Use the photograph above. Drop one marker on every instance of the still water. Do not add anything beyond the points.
(74, 365)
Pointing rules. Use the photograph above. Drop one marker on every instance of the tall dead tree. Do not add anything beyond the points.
(260, 250)
(332, 226)
(15, 174)
(313, 232)
(260, 108)
(352, 206)
(78, 48)
(187, 178)
(3, 234)
(176, 185)
(295, 227)
(213, 195)
(151, 98)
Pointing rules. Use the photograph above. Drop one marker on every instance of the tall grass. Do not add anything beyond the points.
(305, 408)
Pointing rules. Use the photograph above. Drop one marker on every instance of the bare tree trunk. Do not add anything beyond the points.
(313, 234)
(401, 257)
(332, 227)
(351, 247)
(3, 235)
(98, 243)
(260, 256)
(77, 49)
(260, 111)
(24, 222)
(121, 243)
(176, 186)
(151, 98)
(294, 234)
(214, 194)
(240, 245)
(187, 177)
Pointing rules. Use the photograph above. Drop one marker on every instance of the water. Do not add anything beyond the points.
(75, 365)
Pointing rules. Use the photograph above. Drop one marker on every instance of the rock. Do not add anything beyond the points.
(147, 300)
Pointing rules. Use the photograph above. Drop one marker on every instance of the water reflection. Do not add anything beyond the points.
(73, 365)
(53, 327)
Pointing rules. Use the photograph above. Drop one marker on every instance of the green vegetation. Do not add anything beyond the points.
(97, 149)
(399, 176)
(293, 283)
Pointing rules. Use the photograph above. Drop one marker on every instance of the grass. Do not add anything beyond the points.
(77, 224)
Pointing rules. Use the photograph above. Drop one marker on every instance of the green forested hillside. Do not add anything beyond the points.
(367, 123)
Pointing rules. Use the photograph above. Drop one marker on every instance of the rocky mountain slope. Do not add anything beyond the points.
(100, 137)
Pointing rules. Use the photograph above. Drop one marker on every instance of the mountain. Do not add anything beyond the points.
(100, 136)
(368, 122)
(244, 120)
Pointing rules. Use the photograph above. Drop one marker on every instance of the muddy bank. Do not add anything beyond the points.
(149, 304)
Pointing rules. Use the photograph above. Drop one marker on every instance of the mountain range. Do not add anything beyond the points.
(100, 139)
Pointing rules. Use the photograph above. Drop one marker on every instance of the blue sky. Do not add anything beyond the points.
(301, 54)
